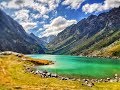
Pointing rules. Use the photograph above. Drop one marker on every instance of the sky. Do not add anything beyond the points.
(50, 17)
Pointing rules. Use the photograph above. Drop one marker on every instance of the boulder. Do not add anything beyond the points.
(54, 75)
(88, 83)
(116, 75)
(108, 79)
(73, 79)
(45, 71)
(37, 72)
(48, 74)
(64, 78)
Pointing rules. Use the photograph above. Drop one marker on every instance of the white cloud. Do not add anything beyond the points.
(87, 8)
(96, 7)
(42, 6)
(57, 25)
(26, 17)
(10, 4)
(36, 16)
(29, 25)
(73, 4)
(22, 15)
(45, 16)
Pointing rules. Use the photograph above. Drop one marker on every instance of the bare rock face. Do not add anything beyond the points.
(14, 38)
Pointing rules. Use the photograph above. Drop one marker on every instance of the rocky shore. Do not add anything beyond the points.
(99, 56)
(86, 82)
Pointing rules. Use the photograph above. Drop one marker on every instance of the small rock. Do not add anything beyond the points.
(90, 84)
(78, 80)
(45, 71)
(37, 72)
(73, 79)
(116, 75)
(17, 87)
(111, 80)
(108, 79)
(54, 75)
(48, 74)
(63, 78)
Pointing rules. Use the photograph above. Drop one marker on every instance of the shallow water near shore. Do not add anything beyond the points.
(80, 67)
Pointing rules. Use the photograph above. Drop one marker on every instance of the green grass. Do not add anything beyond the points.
(106, 41)
(98, 41)
(87, 43)
(13, 75)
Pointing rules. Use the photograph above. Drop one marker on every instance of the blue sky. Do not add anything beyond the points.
(49, 17)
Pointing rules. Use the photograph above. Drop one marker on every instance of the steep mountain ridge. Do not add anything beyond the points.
(39, 41)
(14, 38)
(89, 35)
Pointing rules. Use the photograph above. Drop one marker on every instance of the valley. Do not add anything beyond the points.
(48, 51)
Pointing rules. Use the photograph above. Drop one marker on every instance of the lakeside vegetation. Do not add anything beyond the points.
(14, 76)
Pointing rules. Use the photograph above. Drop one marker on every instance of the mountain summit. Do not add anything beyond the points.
(14, 38)
(91, 35)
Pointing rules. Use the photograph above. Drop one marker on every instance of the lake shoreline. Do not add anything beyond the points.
(109, 57)
(45, 74)
(13, 75)
(85, 81)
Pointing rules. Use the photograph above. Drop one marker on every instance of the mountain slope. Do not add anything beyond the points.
(39, 41)
(90, 34)
(14, 38)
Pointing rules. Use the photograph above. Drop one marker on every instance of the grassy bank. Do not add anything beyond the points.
(14, 76)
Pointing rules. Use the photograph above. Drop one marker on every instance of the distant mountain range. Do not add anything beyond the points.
(95, 35)
(14, 38)
(48, 39)
(92, 36)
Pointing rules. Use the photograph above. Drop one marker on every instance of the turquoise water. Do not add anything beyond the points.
(85, 67)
